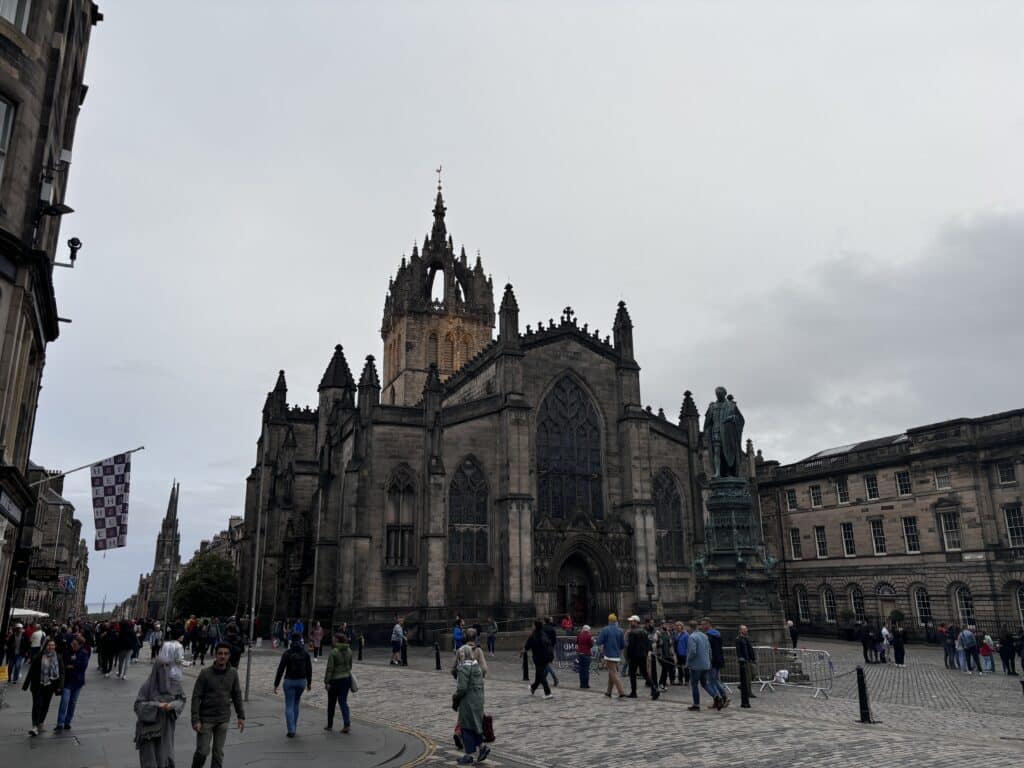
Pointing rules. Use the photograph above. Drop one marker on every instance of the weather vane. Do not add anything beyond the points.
(438, 172)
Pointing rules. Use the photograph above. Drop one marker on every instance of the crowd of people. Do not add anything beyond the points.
(971, 650)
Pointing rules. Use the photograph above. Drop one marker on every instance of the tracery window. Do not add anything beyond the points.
(568, 453)
(467, 514)
(668, 519)
(400, 514)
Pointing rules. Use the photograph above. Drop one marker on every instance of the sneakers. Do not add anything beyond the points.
(694, 708)
(549, 695)
(290, 735)
(718, 702)
(608, 694)
(484, 752)
(465, 760)
(33, 731)
(328, 727)
(532, 689)
(346, 729)
(725, 701)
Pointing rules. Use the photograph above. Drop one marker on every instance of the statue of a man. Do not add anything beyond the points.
(723, 434)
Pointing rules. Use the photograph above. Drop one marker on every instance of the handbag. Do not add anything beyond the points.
(488, 728)
(353, 684)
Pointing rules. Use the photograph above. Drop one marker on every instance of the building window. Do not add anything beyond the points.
(6, 121)
(903, 487)
(857, 603)
(803, 605)
(911, 536)
(943, 481)
(815, 495)
(819, 541)
(467, 514)
(1020, 604)
(842, 491)
(965, 606)
(878, 536)
(668, 519)
(16, 12)
(1006, 472)
(1014, 524)
(794, 543)
(828, 603)
(401, 505)
(950, 524)
(923, 606)
(849, 547)
(871, 486)
(568, 454)
(790, 499)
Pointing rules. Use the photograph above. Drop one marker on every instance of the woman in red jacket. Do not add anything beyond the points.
(584, 648)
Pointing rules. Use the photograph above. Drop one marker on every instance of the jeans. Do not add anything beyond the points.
(973, 654)
(292, 694)
(550, 670)
(949, 656)
(471, 740)
(583, 660)
(698, 680)
(123, 659)
(492, 640)
(210, 732)
(68, 700)
(715, 682)
(337, 693)
(14, 668)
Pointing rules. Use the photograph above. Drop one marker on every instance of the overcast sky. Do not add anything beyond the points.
(818, 205)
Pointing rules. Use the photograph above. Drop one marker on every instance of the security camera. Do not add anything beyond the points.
(75, 245)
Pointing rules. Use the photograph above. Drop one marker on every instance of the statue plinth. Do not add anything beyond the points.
(735, 585)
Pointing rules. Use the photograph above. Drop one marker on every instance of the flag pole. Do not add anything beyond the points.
(50, 478)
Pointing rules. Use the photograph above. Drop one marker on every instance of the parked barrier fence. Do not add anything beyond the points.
(784, 667)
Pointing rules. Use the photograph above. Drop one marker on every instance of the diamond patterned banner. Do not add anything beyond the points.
(110, 482)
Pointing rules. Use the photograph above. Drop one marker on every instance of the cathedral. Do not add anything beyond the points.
(507, 475)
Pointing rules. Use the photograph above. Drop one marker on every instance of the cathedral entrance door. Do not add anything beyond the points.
(574, 590)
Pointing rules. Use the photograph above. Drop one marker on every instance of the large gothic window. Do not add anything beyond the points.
(400, 513)
(467, 514)
(668, 519)
(568, 453)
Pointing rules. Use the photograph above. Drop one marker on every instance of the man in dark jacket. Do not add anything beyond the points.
(540, 648)
(235, 643)
(552, 635)
(638, 648)
(215, 691)
(76, 663)
(745, 653)
(717, 661)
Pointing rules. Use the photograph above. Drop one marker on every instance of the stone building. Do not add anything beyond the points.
(43, 46)
(490, 476)
(166, 565)
(927, 523)
(226, 544)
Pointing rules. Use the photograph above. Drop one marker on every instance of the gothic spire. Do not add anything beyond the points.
(439, 233)
(337, 375)
(369, 379)
(622, 330)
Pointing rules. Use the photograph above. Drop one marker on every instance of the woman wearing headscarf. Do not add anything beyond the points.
(297, 670)
(468, 700)
(46, 678)
(157, 707)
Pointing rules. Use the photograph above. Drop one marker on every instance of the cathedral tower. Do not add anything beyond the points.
(438, 310)
(166, 561)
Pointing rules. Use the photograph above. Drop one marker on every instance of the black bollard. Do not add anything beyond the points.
(405, 654)
(526, 668)
(862, 697)
(744, 686)
(361, 641)
(437, 656)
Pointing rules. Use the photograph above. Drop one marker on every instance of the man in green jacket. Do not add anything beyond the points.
(338, 679)
(216, 689)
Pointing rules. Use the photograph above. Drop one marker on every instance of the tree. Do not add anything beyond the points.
(207, 586)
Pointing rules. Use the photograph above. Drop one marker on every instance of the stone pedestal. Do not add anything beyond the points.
(735, 585)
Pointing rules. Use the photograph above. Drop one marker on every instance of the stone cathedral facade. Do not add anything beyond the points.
(507, 475)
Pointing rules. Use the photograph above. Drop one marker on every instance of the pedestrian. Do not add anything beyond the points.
(76, 663)
(885, 643)
(17, 651)
(668, 667)
(235, 642)
(794, 633)
(127, 644)
(567, 624)
(156, 639)
(652, 654)
(542, 651)
(967, 646)
(316, 635)
(215, 691)
(468, 701)
(682, 639)
(199, 642)
(747, 657)
(173, 650)
(397, 641)
(298, 628)
(338, 680)
(475, 649)
(458, 634)
(610, 642)
(698, 661)
(492, 635)
(949, 635)
(584, 649)
(1006, 653)
(899, 645)
(297, 669)
(159, 703)
(36, 637)
(638, 649)
(46, 679)
(552, 636)
(987, 649)
(717, 661)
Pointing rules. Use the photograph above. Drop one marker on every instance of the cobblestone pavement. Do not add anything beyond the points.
(923, 711)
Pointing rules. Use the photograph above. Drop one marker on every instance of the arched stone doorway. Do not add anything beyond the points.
(575, 589)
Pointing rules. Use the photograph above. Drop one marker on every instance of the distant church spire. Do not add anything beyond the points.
(439, 233)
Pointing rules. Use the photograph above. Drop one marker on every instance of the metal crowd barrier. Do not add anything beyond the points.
(566, 655)
(784, 667)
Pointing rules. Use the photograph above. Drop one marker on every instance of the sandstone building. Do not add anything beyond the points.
(927, 523)
(503, 475)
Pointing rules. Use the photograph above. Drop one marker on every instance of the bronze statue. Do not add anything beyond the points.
(723, 435)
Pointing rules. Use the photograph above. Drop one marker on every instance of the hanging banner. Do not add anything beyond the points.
(110, 483)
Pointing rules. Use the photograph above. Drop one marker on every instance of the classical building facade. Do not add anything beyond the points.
(927, 523)
(43, 46)
(490, 476)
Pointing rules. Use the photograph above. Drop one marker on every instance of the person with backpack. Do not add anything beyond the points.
(297, 669)
(717, 661)
(540, 648)
(468, 701)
